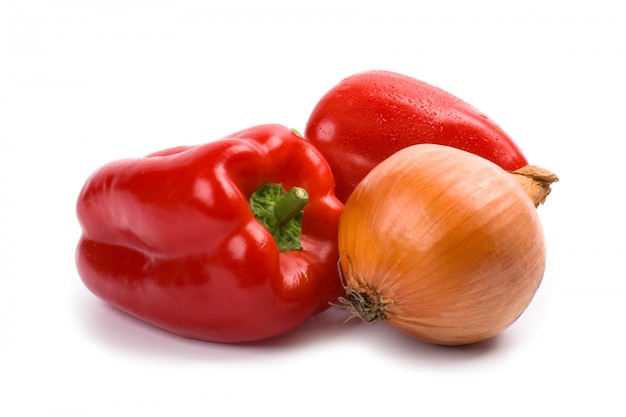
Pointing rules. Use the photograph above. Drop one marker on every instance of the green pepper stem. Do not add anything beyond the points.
(288, 207)
(281, 213)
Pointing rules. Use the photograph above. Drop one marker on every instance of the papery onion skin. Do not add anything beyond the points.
(445, 243)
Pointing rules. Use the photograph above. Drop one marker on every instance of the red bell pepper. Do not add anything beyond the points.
(369, 116)
(229, 241)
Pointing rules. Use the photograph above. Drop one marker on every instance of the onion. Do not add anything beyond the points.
(443, 244)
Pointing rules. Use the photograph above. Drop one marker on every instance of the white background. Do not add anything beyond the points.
(86, 82)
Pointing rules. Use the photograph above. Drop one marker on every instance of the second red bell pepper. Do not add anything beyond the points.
(230, 241)
(369, 116)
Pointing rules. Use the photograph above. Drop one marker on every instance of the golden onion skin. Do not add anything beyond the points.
(447, 245)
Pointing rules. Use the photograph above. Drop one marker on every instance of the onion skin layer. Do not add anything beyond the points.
(442, 245)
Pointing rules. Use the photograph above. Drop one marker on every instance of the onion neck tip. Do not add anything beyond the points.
(536, 181)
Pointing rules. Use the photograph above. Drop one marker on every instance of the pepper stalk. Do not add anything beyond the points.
(281, 213)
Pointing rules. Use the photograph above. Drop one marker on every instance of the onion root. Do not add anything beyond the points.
(364, 303)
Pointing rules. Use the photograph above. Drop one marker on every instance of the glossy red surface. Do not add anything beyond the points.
(171, 239)
(371, 115)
